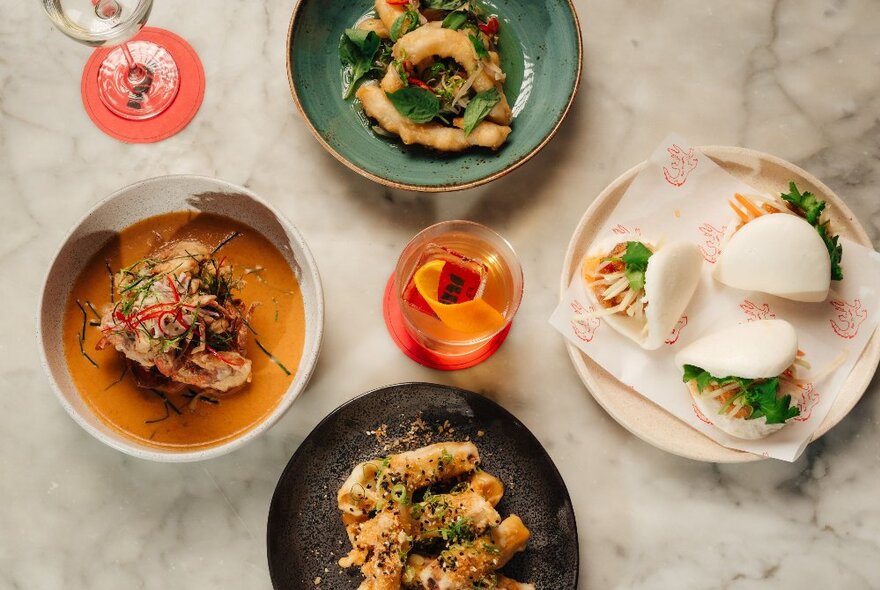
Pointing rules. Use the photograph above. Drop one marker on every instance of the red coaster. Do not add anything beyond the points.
(164, 125)
(397, 328)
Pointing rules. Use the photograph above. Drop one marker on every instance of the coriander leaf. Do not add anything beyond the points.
(403, 24)
(701, 377)
(477, 42)
(357, 49)
(479, 106)
(442, 4)
(635, 260)
(762, 398)
(416, 104)
(454, 20)
(835, 251)
(811, 209)
(807, 205)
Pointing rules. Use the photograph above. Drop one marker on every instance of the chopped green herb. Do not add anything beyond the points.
(403, 24)
(442, 4)
(479, 107)
(398, 494)
(416, 104)
(635, 261)
(810, 208)
(454, 20)
(759, 394)
(477, 42)
(357, 49)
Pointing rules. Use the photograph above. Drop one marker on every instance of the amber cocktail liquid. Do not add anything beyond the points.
(458, 285)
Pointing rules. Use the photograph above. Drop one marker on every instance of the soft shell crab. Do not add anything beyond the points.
(177, 321)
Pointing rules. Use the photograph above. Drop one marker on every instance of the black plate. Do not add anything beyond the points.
(305, 536)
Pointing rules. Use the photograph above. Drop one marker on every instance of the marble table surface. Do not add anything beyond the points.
(799, 79)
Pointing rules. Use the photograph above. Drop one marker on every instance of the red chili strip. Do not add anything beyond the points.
(491, 26)
(222, 358)
(397, 2)
(416, 82)
(173, 288)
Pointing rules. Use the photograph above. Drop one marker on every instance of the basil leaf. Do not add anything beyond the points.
(478, 46)
(416, 104)
(403, 24)
(442, 4)
(479, 106)
(454, 20)
(357, 49)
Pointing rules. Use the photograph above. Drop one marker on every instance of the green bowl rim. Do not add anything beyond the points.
(446, 187)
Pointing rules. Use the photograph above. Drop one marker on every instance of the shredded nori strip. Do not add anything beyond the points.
(271, 356)
(225, 241)
(82, 334)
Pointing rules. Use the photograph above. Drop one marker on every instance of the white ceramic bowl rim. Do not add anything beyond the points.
(308, 275)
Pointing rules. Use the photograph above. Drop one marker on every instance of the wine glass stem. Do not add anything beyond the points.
(136, 72)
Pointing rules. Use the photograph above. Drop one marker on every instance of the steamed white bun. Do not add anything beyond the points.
(755, 350)
(670, 281)
(779, 254)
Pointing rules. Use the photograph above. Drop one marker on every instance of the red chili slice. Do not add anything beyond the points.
(416, 82)
(491, 26)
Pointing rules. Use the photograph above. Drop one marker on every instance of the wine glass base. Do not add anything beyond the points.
(176, 115)
(410, 347)
(146, 96)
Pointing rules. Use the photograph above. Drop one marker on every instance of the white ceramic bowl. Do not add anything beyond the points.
(146, 199)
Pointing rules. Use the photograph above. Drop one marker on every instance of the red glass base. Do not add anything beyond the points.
(142, 95)
(397, 328)
(180, 108)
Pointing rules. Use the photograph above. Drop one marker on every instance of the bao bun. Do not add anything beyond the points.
(761, 349)
(779, 254)
(670, 281)
(755, 350)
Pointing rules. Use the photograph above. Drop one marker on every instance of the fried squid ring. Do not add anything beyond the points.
(450, 139)
(431, 41)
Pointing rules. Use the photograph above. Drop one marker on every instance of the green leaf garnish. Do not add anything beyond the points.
(454, 20)
(810, 208)
(835, 251)
(759, 394)
(357, 49)
(442, 4)
(807, 205)
(477, 42)
(479, 107)
(403, 24)
(416, 104)
(635, 260)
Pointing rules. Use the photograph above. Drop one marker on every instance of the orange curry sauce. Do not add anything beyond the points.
(279, 324)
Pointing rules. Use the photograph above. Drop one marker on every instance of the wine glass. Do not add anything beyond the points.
(138, 79)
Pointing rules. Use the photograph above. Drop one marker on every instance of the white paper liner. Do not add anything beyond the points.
(682, 195)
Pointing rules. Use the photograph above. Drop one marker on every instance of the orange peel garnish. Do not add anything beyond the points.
(470, 317)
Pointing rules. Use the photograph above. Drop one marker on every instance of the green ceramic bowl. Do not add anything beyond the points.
(540, 47)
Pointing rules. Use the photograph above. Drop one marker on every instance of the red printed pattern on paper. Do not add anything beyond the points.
(676, 331)
(849, 317)
(756, 312)
(711, 247)
(682, 164)
(584, 329)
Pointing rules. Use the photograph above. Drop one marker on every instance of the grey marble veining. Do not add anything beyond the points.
(799, 79)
